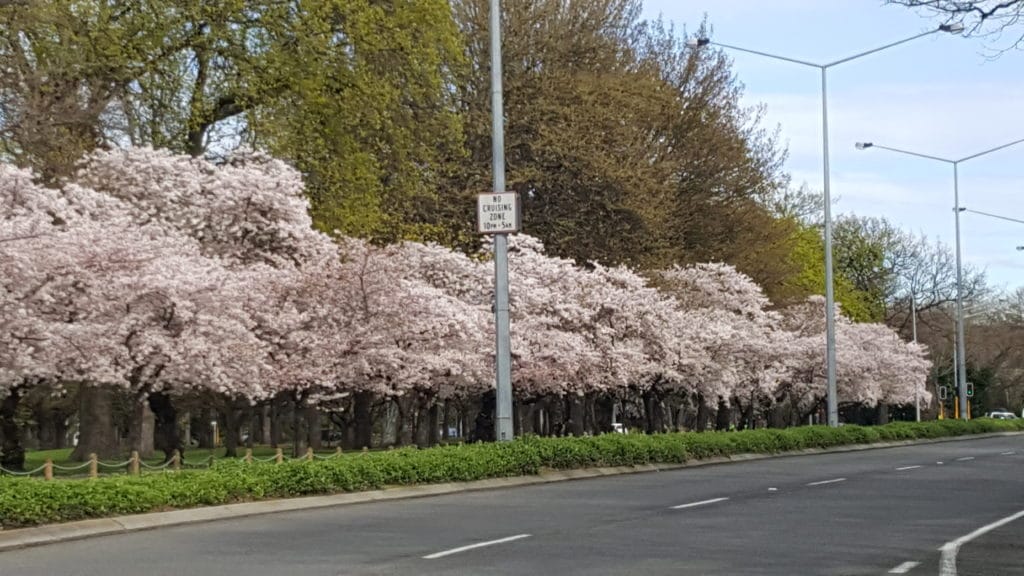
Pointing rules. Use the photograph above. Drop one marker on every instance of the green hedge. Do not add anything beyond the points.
(31, 501)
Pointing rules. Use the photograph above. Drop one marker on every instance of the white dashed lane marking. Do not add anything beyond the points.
(832, 481)
(701, 503)
(444, 553)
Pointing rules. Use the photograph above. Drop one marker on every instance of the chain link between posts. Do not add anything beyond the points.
(278, 457)
(71, 468)
(28, 473)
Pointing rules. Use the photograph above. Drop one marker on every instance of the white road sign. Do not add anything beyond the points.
(497, 213)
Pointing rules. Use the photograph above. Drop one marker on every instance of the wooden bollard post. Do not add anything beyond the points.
(337, 452)
(48, 469)
(133, 465)
(94, 465)
(248, 455)
(176, 460)
(279, 456)
(309, 453)
(209, 461)
(365, 450)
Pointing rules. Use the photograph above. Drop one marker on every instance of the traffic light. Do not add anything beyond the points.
(943, 392)
(970, 390)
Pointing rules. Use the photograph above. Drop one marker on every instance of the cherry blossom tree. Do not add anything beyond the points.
(249, 209)
(740, 337)
(165, 276)
(152, 254)
(873, 365)
(66, 253)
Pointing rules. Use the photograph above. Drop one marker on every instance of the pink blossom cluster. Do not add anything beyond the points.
(156, 272)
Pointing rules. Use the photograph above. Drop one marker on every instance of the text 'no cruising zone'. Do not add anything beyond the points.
(497, 213)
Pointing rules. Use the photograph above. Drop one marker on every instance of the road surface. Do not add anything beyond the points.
(874, 512)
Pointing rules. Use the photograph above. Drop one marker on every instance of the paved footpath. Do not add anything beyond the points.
(875, 512)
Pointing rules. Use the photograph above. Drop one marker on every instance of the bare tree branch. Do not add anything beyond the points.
(983, 18)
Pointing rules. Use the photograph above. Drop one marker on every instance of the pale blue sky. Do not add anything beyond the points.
(940, 95)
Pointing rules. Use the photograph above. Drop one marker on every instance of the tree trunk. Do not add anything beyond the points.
(556, 413)
(703, 414)
(389, 423)
(275, 423)
(577, 415)
(422, 425)
(363, 419)
(229, 416)
(883, 413)
(446, 416)
(589, 418)
(313, 435)
(746, 417)
(204, 434)
(185, 428)
(775, 415)
(253, 416)
(165, 433)
(527, 418)
(723, 418)
(405, 420)
(483, 424)
(141, 424)
(467, 413)
(652, 412)
(12, 452)
(60, 432)
(683, 416)
(46, 423)
(603, 407)
(264, 432)
(296, 426)
(96, 432)
(434, 423)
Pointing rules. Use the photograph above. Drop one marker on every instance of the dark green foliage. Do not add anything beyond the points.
(27, 502)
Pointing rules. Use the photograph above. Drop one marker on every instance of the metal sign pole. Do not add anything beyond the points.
(503, 356)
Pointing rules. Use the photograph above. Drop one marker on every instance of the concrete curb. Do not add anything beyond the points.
(54, 533)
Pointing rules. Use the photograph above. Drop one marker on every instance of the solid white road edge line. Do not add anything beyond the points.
(909, 467)
(965, 459)
(904, 568)
(444, 553)
(1010, 453)
(832, 481)
(947, 565)
(701, 503)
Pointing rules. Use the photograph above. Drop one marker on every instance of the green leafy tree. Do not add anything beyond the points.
(809, 257)
(626, 146)
(367, 112)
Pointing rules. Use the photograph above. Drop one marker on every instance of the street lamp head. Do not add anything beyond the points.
(1020, 248)
(863, 145)
(698, 42)
(960, 209)
(954, 28)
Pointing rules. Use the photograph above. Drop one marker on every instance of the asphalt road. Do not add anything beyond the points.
(847, 514)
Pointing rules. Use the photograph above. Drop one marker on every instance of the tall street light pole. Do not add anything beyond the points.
(503, 342)
(913, 329)
(830, 321)
(961, 354)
